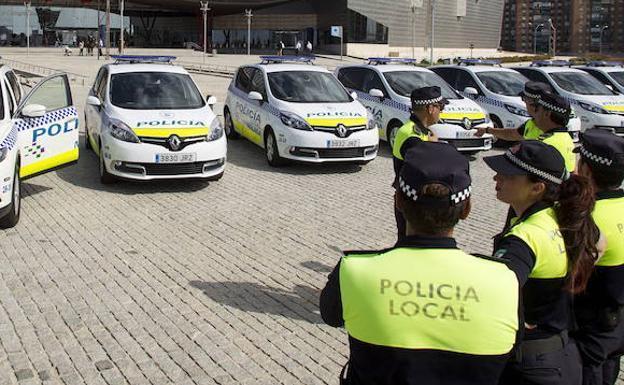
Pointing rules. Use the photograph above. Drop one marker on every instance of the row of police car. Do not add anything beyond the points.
(145, 118)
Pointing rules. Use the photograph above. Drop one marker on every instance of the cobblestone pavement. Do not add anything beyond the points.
(191, 282)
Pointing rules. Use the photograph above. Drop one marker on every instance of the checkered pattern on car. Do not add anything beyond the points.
(11, 139)
(48, 118)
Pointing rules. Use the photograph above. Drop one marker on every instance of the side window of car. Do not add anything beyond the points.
(533, 75)
(352, 78)
(98, 80)
(243, 79)
(448, 74)
(464, 79)
(600, 76)
(257, 83)
(15, 87)
(101, 90)
(372, 80)
(9, 99)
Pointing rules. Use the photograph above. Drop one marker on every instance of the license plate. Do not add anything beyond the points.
(176, 158)
(464, 134)
(343, 143)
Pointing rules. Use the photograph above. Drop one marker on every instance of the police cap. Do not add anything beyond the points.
(555, 103)
(531, 157)
(427, 95)
(602, 148)
(535, 90)
(435, 163)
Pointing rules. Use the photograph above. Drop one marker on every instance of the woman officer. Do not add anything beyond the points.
(599, 310)
(551, 246)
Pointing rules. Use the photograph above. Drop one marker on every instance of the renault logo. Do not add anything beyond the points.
(341, 130)
(174, 142)
(467, 123)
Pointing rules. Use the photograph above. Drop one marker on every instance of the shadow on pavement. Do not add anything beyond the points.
(243, 153)
(30, 189)
(85, 174)
(299, 304)
(317, 266)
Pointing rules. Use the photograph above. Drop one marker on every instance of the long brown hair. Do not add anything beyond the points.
(573, 202)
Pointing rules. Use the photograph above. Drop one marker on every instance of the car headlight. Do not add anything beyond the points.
(294, 121)
(120, 130)
(593, 108)
(216, 130)
(517, 110)
(3, 153)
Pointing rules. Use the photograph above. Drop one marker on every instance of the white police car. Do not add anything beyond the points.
(495, 89)
(608, 73)
(146, 119)
(594, 103)
(38, 134)
(384, 85)
(298, 111)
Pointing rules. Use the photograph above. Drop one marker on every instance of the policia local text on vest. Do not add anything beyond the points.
(424, 312)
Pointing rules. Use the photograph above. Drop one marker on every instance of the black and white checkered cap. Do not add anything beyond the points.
(428, 163)
(602, 148)
(535, 90)
(427, 95)
(555, 103)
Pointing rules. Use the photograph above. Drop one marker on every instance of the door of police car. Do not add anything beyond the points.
(47, 125)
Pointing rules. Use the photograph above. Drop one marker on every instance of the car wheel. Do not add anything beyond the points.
(270, 150)
(105, 176)
(393, 127)
(12, 217)
(230, 132)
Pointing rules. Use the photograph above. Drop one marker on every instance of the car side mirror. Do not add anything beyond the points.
(34, 111)
(354, 95)
(211, 100)
(376, 93)
(94, 101)
(255, 95)
(471, 91)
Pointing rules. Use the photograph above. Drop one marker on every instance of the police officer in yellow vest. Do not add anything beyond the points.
(425, 312)
(551, 246)
(599, 310)
(548, 122)
(427, 103)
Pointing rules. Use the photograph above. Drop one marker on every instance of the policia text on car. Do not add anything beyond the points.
(411, 318)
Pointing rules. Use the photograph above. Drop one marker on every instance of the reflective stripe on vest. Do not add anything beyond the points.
(441, 299)
(563, 142)
(404, 133)
(609, 216)
(541, 233)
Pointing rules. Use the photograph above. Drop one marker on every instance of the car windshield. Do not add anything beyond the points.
(618, 76)
(580, 83)
(404, 82)
(503, 82)
(154, 91)
(307, 87)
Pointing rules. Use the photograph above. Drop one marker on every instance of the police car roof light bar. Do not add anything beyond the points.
(468, 62)
(388, 60)
(271, 59)
(603, 63)
(132, 59)
(551, 63)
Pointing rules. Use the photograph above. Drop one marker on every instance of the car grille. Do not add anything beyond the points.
(350, 130)
(473, 122)
(164, 142)
(464, 143)
(341, 152)
(173, 168)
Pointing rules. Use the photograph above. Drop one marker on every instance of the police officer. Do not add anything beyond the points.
(551, 248)
(600, 337)
(549, 118)
(425, 312)
(427, 103)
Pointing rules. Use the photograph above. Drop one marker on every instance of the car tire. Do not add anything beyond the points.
(12, 217)
(230, 132)
(393, 127)
(105, 176)
(270, 150)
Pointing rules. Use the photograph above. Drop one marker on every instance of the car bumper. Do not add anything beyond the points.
(137, 161)
(463, 140)
(613, 122)
(320, 147)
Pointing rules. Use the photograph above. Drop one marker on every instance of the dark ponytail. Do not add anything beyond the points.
(573, 202)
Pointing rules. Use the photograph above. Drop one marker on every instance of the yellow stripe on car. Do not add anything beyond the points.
(616, 108)
(48, 163)
(333, 122)
(462, 115)
(248, 133)
(182, 132)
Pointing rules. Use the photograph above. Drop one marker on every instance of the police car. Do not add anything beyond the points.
(384, 85)
(610, 74)
(495, 89)
(38, 134)
(594, 103)
(298, 111)
(146, 119)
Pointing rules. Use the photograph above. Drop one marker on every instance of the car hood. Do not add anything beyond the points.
(330, 114)
(457, 109)
(164, 123)
(613, 103)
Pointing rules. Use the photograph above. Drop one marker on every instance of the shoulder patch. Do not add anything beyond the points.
(496, 258)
